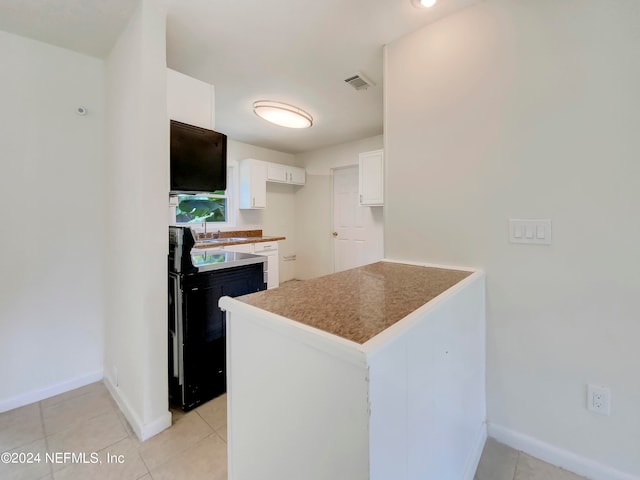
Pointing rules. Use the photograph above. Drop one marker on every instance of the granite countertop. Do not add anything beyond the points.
(238, 237)
(358, 304)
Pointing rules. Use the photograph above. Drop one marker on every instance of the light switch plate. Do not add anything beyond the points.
(530, 231)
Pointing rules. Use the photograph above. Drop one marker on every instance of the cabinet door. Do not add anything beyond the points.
(243, 247)
(270, 250)
(277, 173)
(253, 184)
(371, 178)
(297, 175)
(273, 271)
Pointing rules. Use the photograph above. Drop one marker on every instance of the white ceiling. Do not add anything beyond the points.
(86, 26)
(295, 51)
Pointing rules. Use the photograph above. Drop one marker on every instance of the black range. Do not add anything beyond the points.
(197, 342)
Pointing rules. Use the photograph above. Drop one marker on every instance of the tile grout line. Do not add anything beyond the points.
(121, 420)
(46, 440)
(211, 426)
(215, 432)
(144, 463)
(91, 417)
(183, 452)
(515, 470)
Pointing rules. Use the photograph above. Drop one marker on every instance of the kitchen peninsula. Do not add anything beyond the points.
(371, 373)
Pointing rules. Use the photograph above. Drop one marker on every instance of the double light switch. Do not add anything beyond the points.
(531, 231)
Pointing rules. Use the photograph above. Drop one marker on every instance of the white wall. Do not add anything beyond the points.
(51, 248)
(136, 327)
(278, 219)
(313, 204)
(514, 109)
(321, 161)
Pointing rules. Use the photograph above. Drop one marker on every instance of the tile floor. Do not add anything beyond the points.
(499, 462)
(194, 448)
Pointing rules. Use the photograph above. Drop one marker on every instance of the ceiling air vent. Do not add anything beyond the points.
(359, 82)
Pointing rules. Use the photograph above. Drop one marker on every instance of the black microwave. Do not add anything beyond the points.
(198, 158)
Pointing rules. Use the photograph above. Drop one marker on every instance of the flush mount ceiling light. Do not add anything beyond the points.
(423, 3)
(282, 114)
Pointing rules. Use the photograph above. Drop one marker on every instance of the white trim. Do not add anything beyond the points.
(50, 391)
(143, 431)
(557, 456)
(474, 459)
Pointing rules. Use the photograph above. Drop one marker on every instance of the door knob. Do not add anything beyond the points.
(335, 234)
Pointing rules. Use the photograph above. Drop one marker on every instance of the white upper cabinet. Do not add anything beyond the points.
(277, 172)
(190, 100)
(297, 176)
(254, 175)
(371, 181)
(253, 183)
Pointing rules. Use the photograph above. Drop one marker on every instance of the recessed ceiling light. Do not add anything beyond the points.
(423, 3)
(282, 114)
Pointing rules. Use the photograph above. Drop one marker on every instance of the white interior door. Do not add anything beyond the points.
(357, 231)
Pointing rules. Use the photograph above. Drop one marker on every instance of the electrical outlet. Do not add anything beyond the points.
(599, 399)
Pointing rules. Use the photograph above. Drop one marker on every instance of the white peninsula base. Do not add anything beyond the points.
(409, 403)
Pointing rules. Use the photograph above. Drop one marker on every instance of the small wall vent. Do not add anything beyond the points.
(359, 82)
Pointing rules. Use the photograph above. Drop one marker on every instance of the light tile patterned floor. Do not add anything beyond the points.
(499, 462)
(88, 420)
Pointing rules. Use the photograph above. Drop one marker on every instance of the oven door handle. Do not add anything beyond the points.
(177, 333)
(174, 347)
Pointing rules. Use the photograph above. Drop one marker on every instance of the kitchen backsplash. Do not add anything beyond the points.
(229, 234)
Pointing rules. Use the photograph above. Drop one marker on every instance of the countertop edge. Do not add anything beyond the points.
(433, 265)
(370, 344)
(336, 345)
(405, 323)
(238, 242)
(345, 346)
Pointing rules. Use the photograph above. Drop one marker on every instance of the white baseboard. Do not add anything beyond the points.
(143, 431)
(473, 460)
(50, 391)
(557, 456)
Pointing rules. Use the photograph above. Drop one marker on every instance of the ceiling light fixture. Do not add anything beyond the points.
(423, 3)
(282, 114)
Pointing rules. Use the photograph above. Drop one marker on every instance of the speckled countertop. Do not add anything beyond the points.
(236, 237)
(358, 304)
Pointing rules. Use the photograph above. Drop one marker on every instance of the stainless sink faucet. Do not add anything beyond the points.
(204, 226)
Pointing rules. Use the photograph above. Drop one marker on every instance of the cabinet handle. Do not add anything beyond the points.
(360, 198)
(253, 202)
